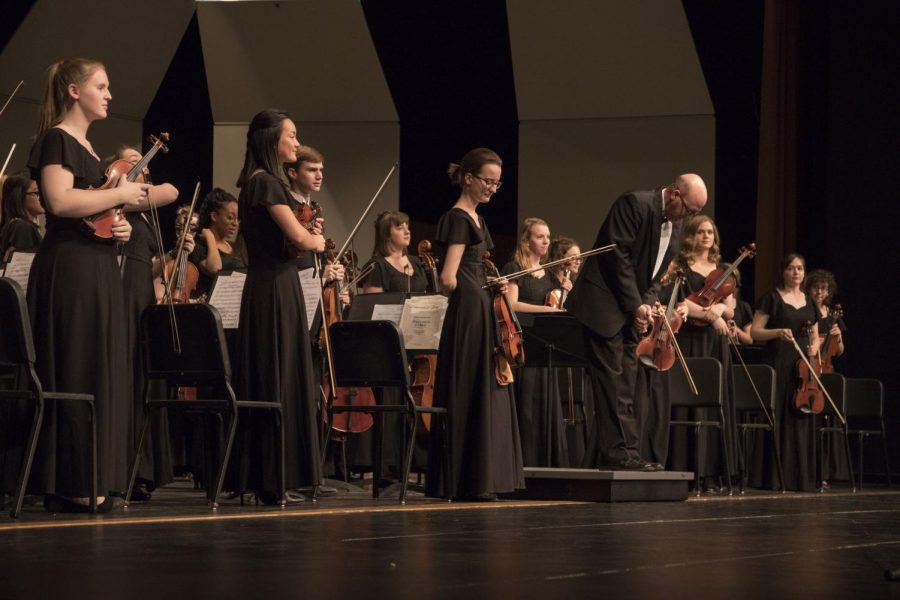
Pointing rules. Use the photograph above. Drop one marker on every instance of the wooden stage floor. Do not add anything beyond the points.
(834, 544)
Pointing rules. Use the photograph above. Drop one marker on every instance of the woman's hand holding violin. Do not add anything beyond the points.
(121, 230)
(132, 194)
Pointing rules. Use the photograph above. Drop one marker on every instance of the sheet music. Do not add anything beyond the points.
(19, 267)
(226, 297)
(312, 293)
(421, 321)
(387, 312)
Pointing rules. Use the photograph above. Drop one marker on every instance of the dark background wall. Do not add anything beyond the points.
(450, 74)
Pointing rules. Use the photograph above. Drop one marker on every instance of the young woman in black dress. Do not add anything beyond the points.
(141, 266)
(75, 295)
(219, 245)
(782, 316)
(485, 452)
(698, 257)
(274, 351)
(543, 442)
(21, 208)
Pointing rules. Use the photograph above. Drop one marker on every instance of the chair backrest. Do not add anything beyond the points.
(763, 377)
(16, 345)
(203, 360)
(707, 375)
(865, 398)
(836, 385)
(368, 354)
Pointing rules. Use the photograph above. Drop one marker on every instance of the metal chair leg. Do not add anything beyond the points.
(697, 460)
(849, 458)
(226, 457)
(407, 460)
(92, 411)
(31, 447)
(887, 460)
(724, 436)
(135, 464)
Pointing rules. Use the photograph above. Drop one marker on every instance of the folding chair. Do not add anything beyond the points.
(371, 354)
(836, 385)
(17, 355)
(762, 377)
(202, 363)
(707, 375)
(865, 410)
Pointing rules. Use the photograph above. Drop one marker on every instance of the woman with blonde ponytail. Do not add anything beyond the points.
(75, 296)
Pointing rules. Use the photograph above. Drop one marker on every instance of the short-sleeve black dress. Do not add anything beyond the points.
(274, 353)
(22, 235)
(541, 425)
(80, 334)
(485, 451)
(796, 430)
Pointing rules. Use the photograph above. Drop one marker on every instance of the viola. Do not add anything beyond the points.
(830, 346)
(306, 215)
(349, 422)
(509, 329)
(99, 226)
(657, 349)
(809, 398)
(719, 284)
(182, 274)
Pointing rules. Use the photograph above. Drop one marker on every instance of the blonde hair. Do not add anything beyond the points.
(521, 253)
(60, 76)
(688, 242)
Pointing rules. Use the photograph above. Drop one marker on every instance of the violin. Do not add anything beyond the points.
(182, 274)
(349, 422)
(808, 395)
(306, 215)
(719, 284)
(556, 297)
(509, 329)
(99, 226)
(657, 349)
(830, 345)
(424, 366)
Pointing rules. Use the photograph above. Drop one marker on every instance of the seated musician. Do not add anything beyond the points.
(21, 209)
(394, 269)
(219, 247)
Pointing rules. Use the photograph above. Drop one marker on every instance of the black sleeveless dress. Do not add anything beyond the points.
(485, 451)
(274, 354)
(80, 332)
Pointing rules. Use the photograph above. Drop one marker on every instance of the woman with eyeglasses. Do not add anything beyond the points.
(21, 209)
(486, 457)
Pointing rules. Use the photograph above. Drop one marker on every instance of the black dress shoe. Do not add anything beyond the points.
(657, 466)
(61, 504)
(631, 464)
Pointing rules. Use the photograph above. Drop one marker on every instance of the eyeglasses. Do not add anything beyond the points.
(34, 193)
(489, 182)
(687, 211)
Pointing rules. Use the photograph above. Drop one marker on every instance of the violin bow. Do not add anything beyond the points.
(9, 99)
(687, 372)
(553, 263)
(819, 381)
(337, 257)
(762, 404)
(6, 162)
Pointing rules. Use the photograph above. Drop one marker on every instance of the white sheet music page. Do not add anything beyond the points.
(421, 321)
(312, 293)
(19, 267)
(226, 297)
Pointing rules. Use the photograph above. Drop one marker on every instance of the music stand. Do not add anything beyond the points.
(552, 340)
(364, 304)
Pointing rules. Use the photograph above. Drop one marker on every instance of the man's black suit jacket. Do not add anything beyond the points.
(611, 286)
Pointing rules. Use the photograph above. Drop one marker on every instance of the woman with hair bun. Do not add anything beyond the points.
(485, 453)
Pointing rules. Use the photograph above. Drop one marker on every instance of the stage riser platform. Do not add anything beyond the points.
(594, 485)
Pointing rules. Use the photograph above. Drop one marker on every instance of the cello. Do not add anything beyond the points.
(99, 226)
(719, 284)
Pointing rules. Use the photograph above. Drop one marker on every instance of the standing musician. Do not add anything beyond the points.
(75, 295)
(274, 352)
(699, 256)
(141, 266)
(306, 176)
(219, 246)
(782, 316)
(530, 293)
(485, 453)
(821, 286)
(612, 297)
